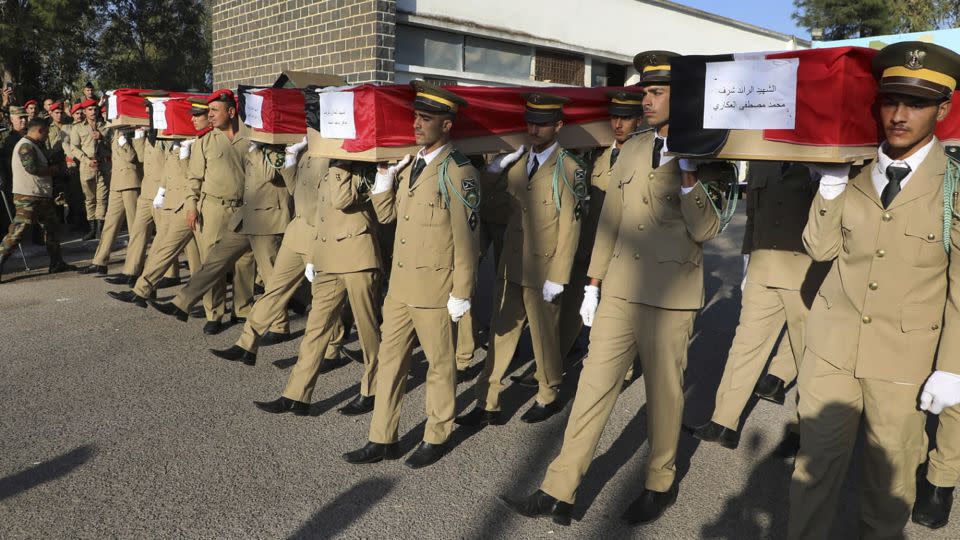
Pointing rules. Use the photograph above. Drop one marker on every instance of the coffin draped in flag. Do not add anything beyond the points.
(272, 115)
(171, 117)
(125, 106)
(374, 123)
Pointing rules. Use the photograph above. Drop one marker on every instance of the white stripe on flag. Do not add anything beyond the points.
(253, 105)
(112, 107)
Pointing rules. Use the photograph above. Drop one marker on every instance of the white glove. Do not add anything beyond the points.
(833, 178)
(386, 176)
(139, 133)
(309, 272)
(591, 299)
(457, 307)
(121, 141)
(746, 261)
(551, 290)
(185, 148)
(689, 165)
(942, 390)
(292, 151)
(158, 200)
(500, 163)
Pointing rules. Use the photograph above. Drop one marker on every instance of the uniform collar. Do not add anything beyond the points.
(542, 156)
(427, 158)
(914, 161)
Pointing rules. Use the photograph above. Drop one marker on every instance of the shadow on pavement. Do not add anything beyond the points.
(46, 471)
(346, 508)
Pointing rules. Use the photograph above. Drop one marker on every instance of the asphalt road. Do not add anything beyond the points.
(117, 423)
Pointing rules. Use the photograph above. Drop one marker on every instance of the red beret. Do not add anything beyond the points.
(56, 105)
(88, 103)
(30, 102)
(74, 109)
(224, 95)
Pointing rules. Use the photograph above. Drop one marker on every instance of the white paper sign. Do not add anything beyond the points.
(111, 106)
(159, 119)
(751, 94)
(253, 104)
(336, 115)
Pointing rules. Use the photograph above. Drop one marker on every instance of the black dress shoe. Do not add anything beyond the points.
(282, 405)
(198, 313)
(771, 388)
(528, 380)
(168, 282)
(272, 338)
(297, 306)
(122, 279)
(168, 308)
(212, 328)
(538, 413)
(60, 266)
(469, 373)
(359, 405)
(714, 432)
(328, 365)
(479, 417)
(94, 269)
(425, 455)
(129, 297)
(236, 353)
(540, 505)
(932, 507)
(237, 320)
(372, 453)
(649, 506)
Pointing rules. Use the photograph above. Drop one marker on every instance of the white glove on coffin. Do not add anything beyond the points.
(385, 177)
(500, 163)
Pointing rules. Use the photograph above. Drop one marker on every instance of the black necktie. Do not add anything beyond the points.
(533, 170)
(657, 148)
(613, 156)
(418, 167)
(895, 175)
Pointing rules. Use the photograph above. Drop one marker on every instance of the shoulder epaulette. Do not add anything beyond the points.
(953, 152)
(576, 158)
(459, 158)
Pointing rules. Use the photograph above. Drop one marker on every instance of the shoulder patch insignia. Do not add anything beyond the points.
(470, 193)
(459, 158)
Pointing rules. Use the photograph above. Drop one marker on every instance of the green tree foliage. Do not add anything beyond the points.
(43, 44)
(162, 44)
(843, 19)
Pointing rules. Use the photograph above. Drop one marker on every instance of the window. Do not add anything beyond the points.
(604, 74)
(429, 48)
(559, 68)
(496, 58)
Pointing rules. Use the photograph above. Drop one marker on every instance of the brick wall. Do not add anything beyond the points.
(254, 40)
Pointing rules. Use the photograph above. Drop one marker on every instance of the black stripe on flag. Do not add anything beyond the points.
(686, 135)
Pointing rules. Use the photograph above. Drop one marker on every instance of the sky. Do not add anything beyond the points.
(769, 14)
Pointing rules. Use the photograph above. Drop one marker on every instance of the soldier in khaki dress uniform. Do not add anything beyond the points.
(174, 234)
(257, 225)
(779, 288)
(547, 187)
(650, 263)
(885, 319)
(91, 149)
(216, 174)
(345, 263)
(434, 202)
(125, 175)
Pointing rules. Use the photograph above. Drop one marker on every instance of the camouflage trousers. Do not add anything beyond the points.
(31, 211)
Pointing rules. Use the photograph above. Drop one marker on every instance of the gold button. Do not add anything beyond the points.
(866, 319)
(406, 218)
(430, 204)
(524, 208)
(403, 240)
(636, 256)
(935, 327)
(873, 285)
(823, 212)
(645, 201)
(881, 253)
(400, 264)
(639, 227)
(324, 239)
(887, 216)
(529, 187)
(930, 236)
(651, 175)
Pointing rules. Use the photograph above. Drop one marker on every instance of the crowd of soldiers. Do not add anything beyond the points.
(855, 266)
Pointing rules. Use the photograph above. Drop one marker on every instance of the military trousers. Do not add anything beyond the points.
(330, 293)
(434, 329)
(215, 215)
(763, 313)
(943, 467)
(95, 192)
(226, 254)
(123, 204)
(466, 340)
(146, 223)
(833, 406)
(514, 305)
(31, 211)
(620, 331)
(173, 237)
